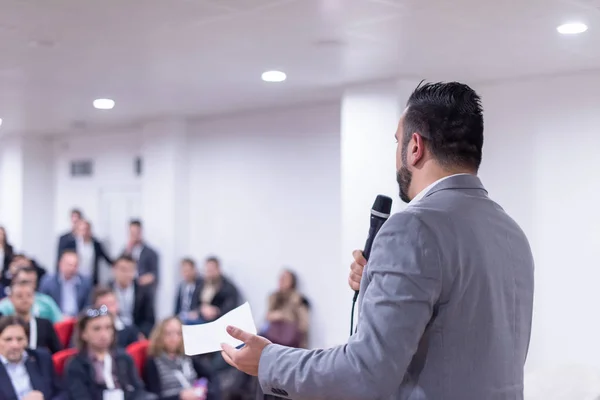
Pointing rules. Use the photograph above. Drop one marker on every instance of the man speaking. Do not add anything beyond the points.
(446, 298)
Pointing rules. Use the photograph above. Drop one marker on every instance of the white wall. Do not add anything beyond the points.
(266, 194)
(541, 164)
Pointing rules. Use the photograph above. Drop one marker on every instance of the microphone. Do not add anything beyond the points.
(380, 212)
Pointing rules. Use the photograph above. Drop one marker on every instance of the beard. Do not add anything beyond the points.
(404, 177)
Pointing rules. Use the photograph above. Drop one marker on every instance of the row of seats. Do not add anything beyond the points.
(137, 351)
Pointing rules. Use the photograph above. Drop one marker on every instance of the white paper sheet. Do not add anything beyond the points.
(207, 338)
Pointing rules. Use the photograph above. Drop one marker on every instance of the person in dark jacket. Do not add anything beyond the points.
(126, 334)
(89, 251)
(99, 369)
(215, 294)
(6, 250)
(41, 332)
(16, 362)
(172, 375)
(67, 237)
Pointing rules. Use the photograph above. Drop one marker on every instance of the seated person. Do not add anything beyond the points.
(216, 295)
(169, 373)
(136, 302)
(25, 374)
(41, 332)
(126, 334)
(68, 288)
(287, 316)
(17, 261)
(99, 370)
(186, 291)
(43, 305)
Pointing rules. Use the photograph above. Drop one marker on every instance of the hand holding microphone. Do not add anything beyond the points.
(356, 270)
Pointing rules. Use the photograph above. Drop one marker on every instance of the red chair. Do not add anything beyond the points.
(64, 329)
(139, 352)
(60, 358)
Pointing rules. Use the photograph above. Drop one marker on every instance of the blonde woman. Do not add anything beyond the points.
(169, 373)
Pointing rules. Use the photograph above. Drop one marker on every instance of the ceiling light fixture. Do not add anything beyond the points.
(274, 76)
(572, 28)
(104, 104)
(0, 121)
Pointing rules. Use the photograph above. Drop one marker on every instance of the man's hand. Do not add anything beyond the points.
(209, 312)
(247, 358)
(146, 279)
(34, 395)
(356, 269)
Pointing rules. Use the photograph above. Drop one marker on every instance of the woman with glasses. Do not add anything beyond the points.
(169, 373)
(100, 371)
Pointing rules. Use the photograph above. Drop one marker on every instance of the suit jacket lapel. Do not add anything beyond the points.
(37, 380)
(6, 387)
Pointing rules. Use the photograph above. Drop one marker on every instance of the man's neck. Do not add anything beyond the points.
(24, 316)
(124, 285)
(428, 176)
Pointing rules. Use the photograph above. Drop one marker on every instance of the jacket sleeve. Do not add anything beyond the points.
(148, 319)
(102, 253)
(402, 284)
(53, 342)
(151, 377)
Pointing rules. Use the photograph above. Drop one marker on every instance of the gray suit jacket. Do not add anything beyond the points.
(445, 310)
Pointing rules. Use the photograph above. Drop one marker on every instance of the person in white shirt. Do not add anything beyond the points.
(90, 251)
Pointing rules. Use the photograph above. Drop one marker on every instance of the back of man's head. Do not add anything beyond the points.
(449, 116)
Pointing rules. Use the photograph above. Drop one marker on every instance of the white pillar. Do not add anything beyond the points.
(27, 196)
(370, 116)
(165, 193)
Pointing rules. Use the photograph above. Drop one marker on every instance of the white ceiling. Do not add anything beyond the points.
(201, 57)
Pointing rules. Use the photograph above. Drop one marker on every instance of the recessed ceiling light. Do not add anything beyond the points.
(104, 104)
(572, 28)
(274, 76)
(0, 121)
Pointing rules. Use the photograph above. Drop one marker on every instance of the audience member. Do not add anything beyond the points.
(43, 305)
(68, 288)
(187, 290)
(19, 261)
(41, 332)
(89, 250)
(172, 375)
(145, 257)
(287, 316)
(25, 374)
(126, 334)
(6, 250)
(216, 294)
(100, 370)
(136, 302)
(68, 237)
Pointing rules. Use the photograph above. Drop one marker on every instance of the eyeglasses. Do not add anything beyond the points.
(97, 312)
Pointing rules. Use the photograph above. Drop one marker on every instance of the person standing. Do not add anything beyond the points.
(65, 239)
(446, 298)
(145, 256)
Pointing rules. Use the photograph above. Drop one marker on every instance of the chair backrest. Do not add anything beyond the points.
(139, 352)
(64, 330)
(60, 358)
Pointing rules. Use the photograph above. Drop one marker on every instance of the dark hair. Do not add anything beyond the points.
(100, 291)
(77, 212)
(449, 117)
(84, 318)
(67, 251)
(17, 280)
(135, 222)
(13, 320)
(189, 261)
(213, 259)
(126, 258)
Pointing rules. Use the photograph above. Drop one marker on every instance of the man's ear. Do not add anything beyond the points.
(416, 149)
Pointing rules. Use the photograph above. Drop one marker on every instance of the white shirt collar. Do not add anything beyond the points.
(424, 192)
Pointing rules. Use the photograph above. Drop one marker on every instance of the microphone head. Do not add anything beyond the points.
(382, 205)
